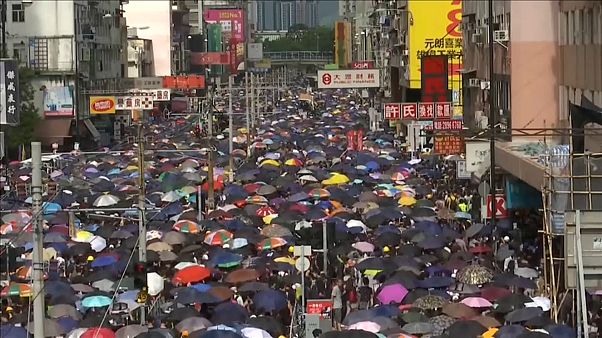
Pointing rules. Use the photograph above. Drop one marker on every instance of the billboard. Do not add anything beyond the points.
(434, 78)
(101, 105)
(436, 31)
(58, 101)
(184, 82)
(232, 22)
(10, 103)
(352, 78)
(210, 58)
(342, 43)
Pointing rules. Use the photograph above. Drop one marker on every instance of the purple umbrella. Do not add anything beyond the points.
(394, 293)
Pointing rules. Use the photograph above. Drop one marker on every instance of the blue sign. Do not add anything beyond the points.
(520, 195)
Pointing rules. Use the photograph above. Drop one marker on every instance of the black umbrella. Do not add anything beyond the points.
(523, 315)
(465, 329)
(270, 324)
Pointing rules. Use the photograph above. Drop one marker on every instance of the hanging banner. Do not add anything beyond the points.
(101, 105)
(232, 22)
(58, 101)
(10, 102)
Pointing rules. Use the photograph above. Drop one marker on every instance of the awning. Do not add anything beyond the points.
(93, 131)
(49, 131)
(466, 70)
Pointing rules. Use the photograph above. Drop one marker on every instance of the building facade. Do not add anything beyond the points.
(74, 47)
(140, 56)
(274, 15)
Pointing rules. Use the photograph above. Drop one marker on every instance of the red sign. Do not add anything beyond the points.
(322, 307)
(409, 111)
(448, 145)
(426, 111)
(434, 76)
(392, 111)
(500, 206)
(210, 58)
(184, 82)
(448, 125)
(362, 65)
(326, 79)
(351, 137)
(443, 110)
(359, 145)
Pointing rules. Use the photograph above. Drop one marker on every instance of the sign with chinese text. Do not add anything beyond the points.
(437, 31)
(362, 65)
(155, 82)
(138, 102)
(434, 79)
(233, 32)
(443, 110)
(448, 125)
(184, 82)
(352, 78)
(448, 145)
(409, 111)
(100, 105)
(426, 111)
(322, 307)
(58, 101)
(10, 103)
(210, 58)
(392, 111)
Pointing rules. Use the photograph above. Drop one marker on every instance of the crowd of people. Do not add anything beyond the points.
(406, 253)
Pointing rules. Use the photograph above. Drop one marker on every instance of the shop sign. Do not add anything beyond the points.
(101, 105)
(448, 145)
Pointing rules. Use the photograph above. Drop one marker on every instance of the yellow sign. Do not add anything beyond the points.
(100, 105)
(436, 30)
(342, 43)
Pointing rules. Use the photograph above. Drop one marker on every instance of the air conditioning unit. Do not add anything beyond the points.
(474, 82)
(405, 52)
(476, 38)
(501, 36)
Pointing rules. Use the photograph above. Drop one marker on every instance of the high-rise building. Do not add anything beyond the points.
(274, 15)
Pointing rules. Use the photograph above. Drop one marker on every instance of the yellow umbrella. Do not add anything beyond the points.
(336, 179)
(371, 272)
(407, 201)
(289, 260)
(242, 130)
(131, 167)
(83, 236)
(270, 162)
(490, 333)
(269, 218)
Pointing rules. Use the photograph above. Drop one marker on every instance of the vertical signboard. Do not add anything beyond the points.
(437, 31)
(58, 101)
(342, 43)
(215, 43)
(232, 22)
(434, 71)
(10, 102)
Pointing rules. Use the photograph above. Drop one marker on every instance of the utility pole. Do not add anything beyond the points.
(491, 119)
(141, 216)
(230, 127)
(248, 113)
(252, 101)
(325, 246)
(210, 192)
(39, 308)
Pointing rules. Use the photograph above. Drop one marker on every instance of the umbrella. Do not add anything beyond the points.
(271, 243)
(229, 313)
(475, 275)
(269, 324)
(418, 328)
(191, 274)
(270, 300)
(187, 226)
(466, 328)
(241, 276)
(51, 328)
(459, 310)
(394, 293)
(219, 237)
(98, 332)
(193, 324)
(105, 201)
(16, 290)
(365, 326)
(523, 315)
(430, 302)
(95, 301)
(131, 331)
(476, 302)
(441, 323)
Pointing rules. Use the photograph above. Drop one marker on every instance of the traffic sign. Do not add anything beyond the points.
(302, 264)
(302, 250)
(500, 206)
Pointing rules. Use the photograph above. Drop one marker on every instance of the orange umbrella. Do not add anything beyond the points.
(241, 276)
(186, 226)
(191, 274)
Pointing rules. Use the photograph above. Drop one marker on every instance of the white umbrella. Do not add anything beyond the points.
(356, 223)
(542, 302)
(308, 178)
(105, 201)
(171, 196)
(98, 243)
(155, 282)
(183, 265)
(526, 272)
(253, 332)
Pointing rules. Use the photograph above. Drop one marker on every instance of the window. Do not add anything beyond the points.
(587, 26)
(571, 28)
(563, 19)
(18, 13)
(578, 27)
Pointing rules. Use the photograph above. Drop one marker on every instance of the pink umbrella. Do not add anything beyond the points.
(363, 246)
(394, 293)
(476, 302)
(365, 326)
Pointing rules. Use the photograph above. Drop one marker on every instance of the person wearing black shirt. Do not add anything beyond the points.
(365, 294)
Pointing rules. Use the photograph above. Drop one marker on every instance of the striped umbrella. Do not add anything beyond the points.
(25, 273)
(16, 290)
(265, 211)
(260, 200)
(218, 237)
(294, 162)
(187, 226)
(318, 193)
(271, 243)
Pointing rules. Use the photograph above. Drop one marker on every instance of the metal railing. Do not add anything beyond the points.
(299, 56)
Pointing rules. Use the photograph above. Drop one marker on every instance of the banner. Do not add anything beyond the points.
(342, 43)
(100, 105)
(138, 102)
(58, 101)
(210, 58)
(437, 31)
(352, 78)
(184, 82)
(10, 102)
(232, 22)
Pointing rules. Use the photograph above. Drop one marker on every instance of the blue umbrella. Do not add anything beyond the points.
(429, 228)
(462, 215)
(561, 331)
(431, 243)
(51, 208)
(270, 300)
(188, 296)
(104, 261)
(201, 287)
(226, 259)
(229, 313)
(68, 323)
(96, 301)
(11, 331)
(436, 282)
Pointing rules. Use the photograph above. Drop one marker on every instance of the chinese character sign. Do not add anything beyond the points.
(9, 93)
(232, 22)
(448, 145)
(434, 78)
(392, 111)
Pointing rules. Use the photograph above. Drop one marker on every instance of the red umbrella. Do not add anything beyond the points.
(265, 211)
(493, 293)
(480, 249)
(191, 274)
(98, 332)
(251, 188)
(300, 208)
(218, 185)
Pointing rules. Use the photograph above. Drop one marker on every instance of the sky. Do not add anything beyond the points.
(328, 12)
